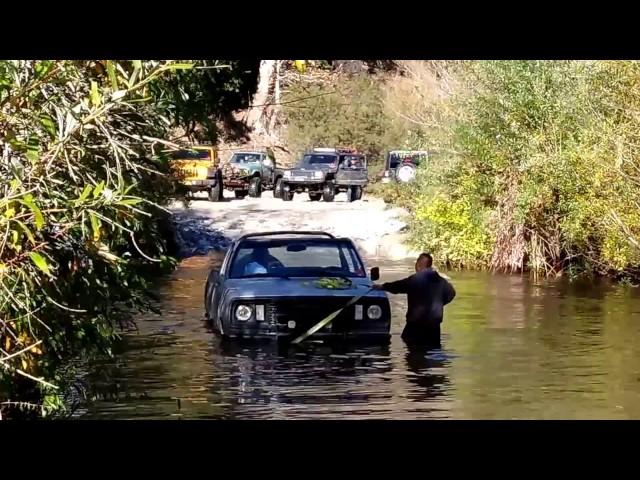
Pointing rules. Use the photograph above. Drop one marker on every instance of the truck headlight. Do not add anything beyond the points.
(287, 174)
(374, 312)
(318, 174)
(243, 312)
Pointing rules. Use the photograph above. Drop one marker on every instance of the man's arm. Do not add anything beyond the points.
(399, 286)
(449, 293)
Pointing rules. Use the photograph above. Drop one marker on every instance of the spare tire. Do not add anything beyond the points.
(406, 173)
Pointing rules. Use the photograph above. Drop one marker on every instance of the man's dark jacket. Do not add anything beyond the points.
(427, 294)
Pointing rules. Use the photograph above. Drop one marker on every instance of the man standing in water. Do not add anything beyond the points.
(427, 294)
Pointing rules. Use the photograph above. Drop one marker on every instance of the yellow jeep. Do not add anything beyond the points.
(197, 167)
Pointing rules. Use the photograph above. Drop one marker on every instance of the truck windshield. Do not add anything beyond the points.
(296, 258)
(245, 158)
(318, 159)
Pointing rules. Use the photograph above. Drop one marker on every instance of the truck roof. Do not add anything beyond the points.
(339, 150)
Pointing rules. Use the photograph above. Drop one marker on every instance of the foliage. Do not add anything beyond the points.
(81, 191)
(454, 229)
(347, 112)
(197, 99)
(539, 167)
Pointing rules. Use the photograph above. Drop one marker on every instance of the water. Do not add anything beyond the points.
(512, 349)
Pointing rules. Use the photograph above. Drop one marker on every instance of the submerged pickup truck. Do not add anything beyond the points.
(324, 172)
(249, 173)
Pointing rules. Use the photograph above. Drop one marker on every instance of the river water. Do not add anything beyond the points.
(512, 349)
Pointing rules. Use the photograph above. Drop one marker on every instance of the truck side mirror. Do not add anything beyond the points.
(375, 274)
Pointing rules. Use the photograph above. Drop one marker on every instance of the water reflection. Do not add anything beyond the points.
(512, 348)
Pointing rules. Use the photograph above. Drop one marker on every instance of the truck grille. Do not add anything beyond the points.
(301, 176)
(307, 312)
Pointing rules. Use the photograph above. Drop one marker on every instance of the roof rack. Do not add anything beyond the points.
(286, 232)
(325, 149)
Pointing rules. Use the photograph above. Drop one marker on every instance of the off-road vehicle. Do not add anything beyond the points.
(324, 172)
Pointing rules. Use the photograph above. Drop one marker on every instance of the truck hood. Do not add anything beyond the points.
(295, 287)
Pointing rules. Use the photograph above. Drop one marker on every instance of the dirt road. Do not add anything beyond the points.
(206, 226)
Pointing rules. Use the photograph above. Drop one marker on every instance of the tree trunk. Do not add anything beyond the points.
(265, 74)
(275, 110)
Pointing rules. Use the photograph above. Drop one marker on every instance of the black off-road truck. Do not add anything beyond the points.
(324, 172)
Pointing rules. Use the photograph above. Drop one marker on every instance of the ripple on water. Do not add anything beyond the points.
(511, 349)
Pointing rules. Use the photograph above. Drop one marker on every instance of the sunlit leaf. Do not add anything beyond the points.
(181, 66)
(26, 231)
(40, 262)
(48, 124)
(85, 193)
(130, 201)
(111, 72)
(95, 227)
(37, 213)
(95, 94)
(98, 189)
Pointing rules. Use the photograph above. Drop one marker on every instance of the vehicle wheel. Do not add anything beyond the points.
(277, 189)
(329, 192)
(287, 196)
(354, 193)
(314, 197)
(240, 194)
(255, 187)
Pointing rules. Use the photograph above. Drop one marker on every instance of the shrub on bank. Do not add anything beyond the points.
(81, 216)
(539, 167)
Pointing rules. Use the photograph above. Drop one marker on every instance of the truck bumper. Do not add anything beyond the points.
(199, 185)
(354, 337)
(236, 184)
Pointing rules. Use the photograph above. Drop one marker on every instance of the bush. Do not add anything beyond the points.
(348, 113)
(539, 167)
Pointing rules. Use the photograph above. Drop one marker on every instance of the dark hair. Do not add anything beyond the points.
(426, 258)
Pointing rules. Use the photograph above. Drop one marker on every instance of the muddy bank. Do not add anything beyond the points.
(207, 226)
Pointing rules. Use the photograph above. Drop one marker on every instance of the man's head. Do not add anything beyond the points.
(259, 253)
(425, 260)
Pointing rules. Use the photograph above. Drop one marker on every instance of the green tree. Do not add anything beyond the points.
(83, 184)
